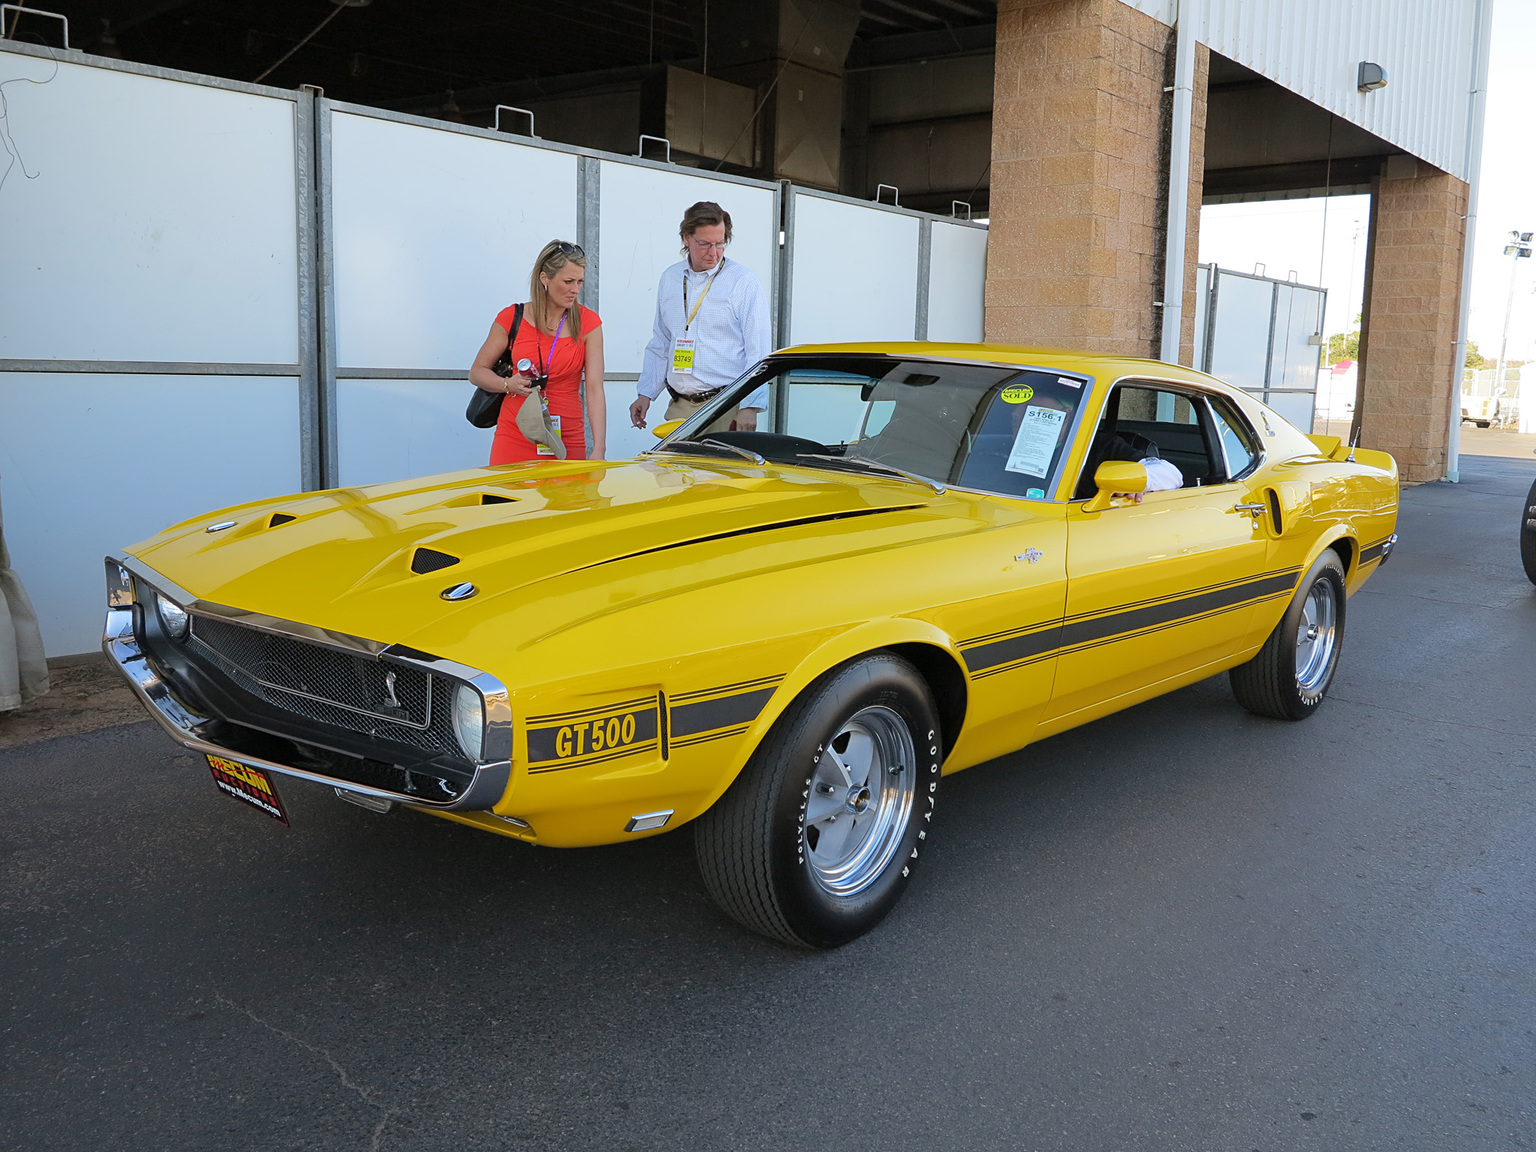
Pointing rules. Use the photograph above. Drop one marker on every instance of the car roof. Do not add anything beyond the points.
(1100, 365)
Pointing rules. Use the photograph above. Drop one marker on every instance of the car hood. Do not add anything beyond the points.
(374, 562)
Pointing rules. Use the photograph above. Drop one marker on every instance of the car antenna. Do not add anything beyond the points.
(1354, 442)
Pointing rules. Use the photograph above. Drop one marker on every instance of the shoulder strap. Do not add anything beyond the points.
(517, 322)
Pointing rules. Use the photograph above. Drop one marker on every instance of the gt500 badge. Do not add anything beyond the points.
(592, 736)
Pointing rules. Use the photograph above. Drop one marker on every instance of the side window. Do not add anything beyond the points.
(1143, 420)
(1238, 440)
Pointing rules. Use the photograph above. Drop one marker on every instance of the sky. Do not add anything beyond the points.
(1323, 240)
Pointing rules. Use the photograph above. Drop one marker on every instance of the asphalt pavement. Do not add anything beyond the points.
(1182, 927)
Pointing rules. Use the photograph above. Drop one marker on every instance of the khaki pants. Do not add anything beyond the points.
(682, 409)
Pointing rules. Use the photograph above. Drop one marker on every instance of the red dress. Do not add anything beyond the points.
(564, 389)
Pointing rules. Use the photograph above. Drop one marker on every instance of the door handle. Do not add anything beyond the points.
(1254, 510)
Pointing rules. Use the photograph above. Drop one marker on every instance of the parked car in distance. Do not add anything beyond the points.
(929, 556)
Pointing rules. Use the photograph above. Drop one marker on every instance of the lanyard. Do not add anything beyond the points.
(538, 345)
(707, 286)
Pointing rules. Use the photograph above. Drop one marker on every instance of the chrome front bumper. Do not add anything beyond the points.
(188, 727)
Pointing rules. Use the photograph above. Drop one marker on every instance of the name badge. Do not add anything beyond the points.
(554, 422)
(682, 357)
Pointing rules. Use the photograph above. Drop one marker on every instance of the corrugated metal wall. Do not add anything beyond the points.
(1313, 48)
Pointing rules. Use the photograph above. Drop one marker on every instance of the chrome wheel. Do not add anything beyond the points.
(1317, 635)
(860, 800)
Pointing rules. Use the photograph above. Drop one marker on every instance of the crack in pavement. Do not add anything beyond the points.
(364, 1094)
(1432, 719)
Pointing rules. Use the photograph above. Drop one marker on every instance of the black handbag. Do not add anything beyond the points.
(484, 408)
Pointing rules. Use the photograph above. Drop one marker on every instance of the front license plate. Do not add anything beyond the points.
(249, 785)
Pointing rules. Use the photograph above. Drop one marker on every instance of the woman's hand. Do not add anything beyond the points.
(519, 384)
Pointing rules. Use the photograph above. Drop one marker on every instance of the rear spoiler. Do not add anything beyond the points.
(1335, 449)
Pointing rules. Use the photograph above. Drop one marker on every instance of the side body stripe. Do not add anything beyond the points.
(999, 652)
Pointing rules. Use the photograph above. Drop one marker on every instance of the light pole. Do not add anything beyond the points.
(1519, 246)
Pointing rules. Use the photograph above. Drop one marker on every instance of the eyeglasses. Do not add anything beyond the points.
(704, 247)
(566, 248)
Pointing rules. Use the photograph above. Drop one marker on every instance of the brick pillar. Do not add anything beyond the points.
(1079, 152)
(1413, 301)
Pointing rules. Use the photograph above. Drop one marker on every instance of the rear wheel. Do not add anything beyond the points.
(1528, 535)
(1291, 673)
(815, 841)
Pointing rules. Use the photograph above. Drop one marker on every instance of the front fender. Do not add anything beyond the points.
(836, 650)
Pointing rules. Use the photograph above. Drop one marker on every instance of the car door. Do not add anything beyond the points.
(1164, 587)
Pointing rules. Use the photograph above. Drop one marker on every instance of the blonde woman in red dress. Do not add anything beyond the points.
(560, 339)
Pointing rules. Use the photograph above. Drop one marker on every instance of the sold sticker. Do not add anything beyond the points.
(1018, 394)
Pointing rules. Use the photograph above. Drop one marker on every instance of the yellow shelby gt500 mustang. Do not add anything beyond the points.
(925, 557)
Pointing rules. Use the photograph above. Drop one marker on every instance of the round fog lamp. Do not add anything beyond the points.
(173, 616)
(468, 720)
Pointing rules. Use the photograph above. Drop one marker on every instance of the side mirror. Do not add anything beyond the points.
(1114, 476)
(662, 431)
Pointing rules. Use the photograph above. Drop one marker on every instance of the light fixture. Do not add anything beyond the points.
(173, 616)
(1370, 77)
(469, 720)
(1519, 244)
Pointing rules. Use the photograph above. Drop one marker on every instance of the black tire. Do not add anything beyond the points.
(1528, 535)
(1289, 677)
(766, 848)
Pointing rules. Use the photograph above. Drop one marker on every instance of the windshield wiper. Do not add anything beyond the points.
(888, 469)
(707, 445)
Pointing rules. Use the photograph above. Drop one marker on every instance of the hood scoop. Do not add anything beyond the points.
(280, 518)
(431, 560)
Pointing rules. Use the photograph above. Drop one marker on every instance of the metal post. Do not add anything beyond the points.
(1188, 27)
(1516, 250)
(1472, 160)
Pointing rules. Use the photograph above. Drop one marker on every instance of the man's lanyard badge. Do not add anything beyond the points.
(682, 347)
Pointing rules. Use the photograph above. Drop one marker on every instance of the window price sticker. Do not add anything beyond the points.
(1035, 442)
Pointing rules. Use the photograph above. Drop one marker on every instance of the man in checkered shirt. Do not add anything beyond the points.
(712, 324)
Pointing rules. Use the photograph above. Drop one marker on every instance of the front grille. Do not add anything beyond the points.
(378, 698)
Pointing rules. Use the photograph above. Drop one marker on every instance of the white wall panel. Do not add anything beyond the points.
(625, 441)
(395, 429)
(868, 291)
(957, 282)
(92, 464)
(145, 219)
(1313, 47)
(640, 211)
(435, 232)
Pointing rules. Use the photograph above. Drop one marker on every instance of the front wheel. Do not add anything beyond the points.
(815, 841)
(1528, 535)
(1291, 673)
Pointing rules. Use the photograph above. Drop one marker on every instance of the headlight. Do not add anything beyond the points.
(468, 720)
(173, 616)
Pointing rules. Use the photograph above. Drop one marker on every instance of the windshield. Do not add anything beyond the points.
(978, 426)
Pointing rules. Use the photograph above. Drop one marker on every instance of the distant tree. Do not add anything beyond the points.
(1344, 346)
(1475, 358)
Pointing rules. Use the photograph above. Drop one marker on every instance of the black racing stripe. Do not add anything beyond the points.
(1015, 649)
(560, 765)
(1372, 551)
(1080, 633)
(1154, 615)
(567, 717)
(1010, 633)
(760, 682)
(722, 712)
(708, 736)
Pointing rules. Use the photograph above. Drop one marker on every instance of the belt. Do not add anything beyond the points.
(696, 397)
